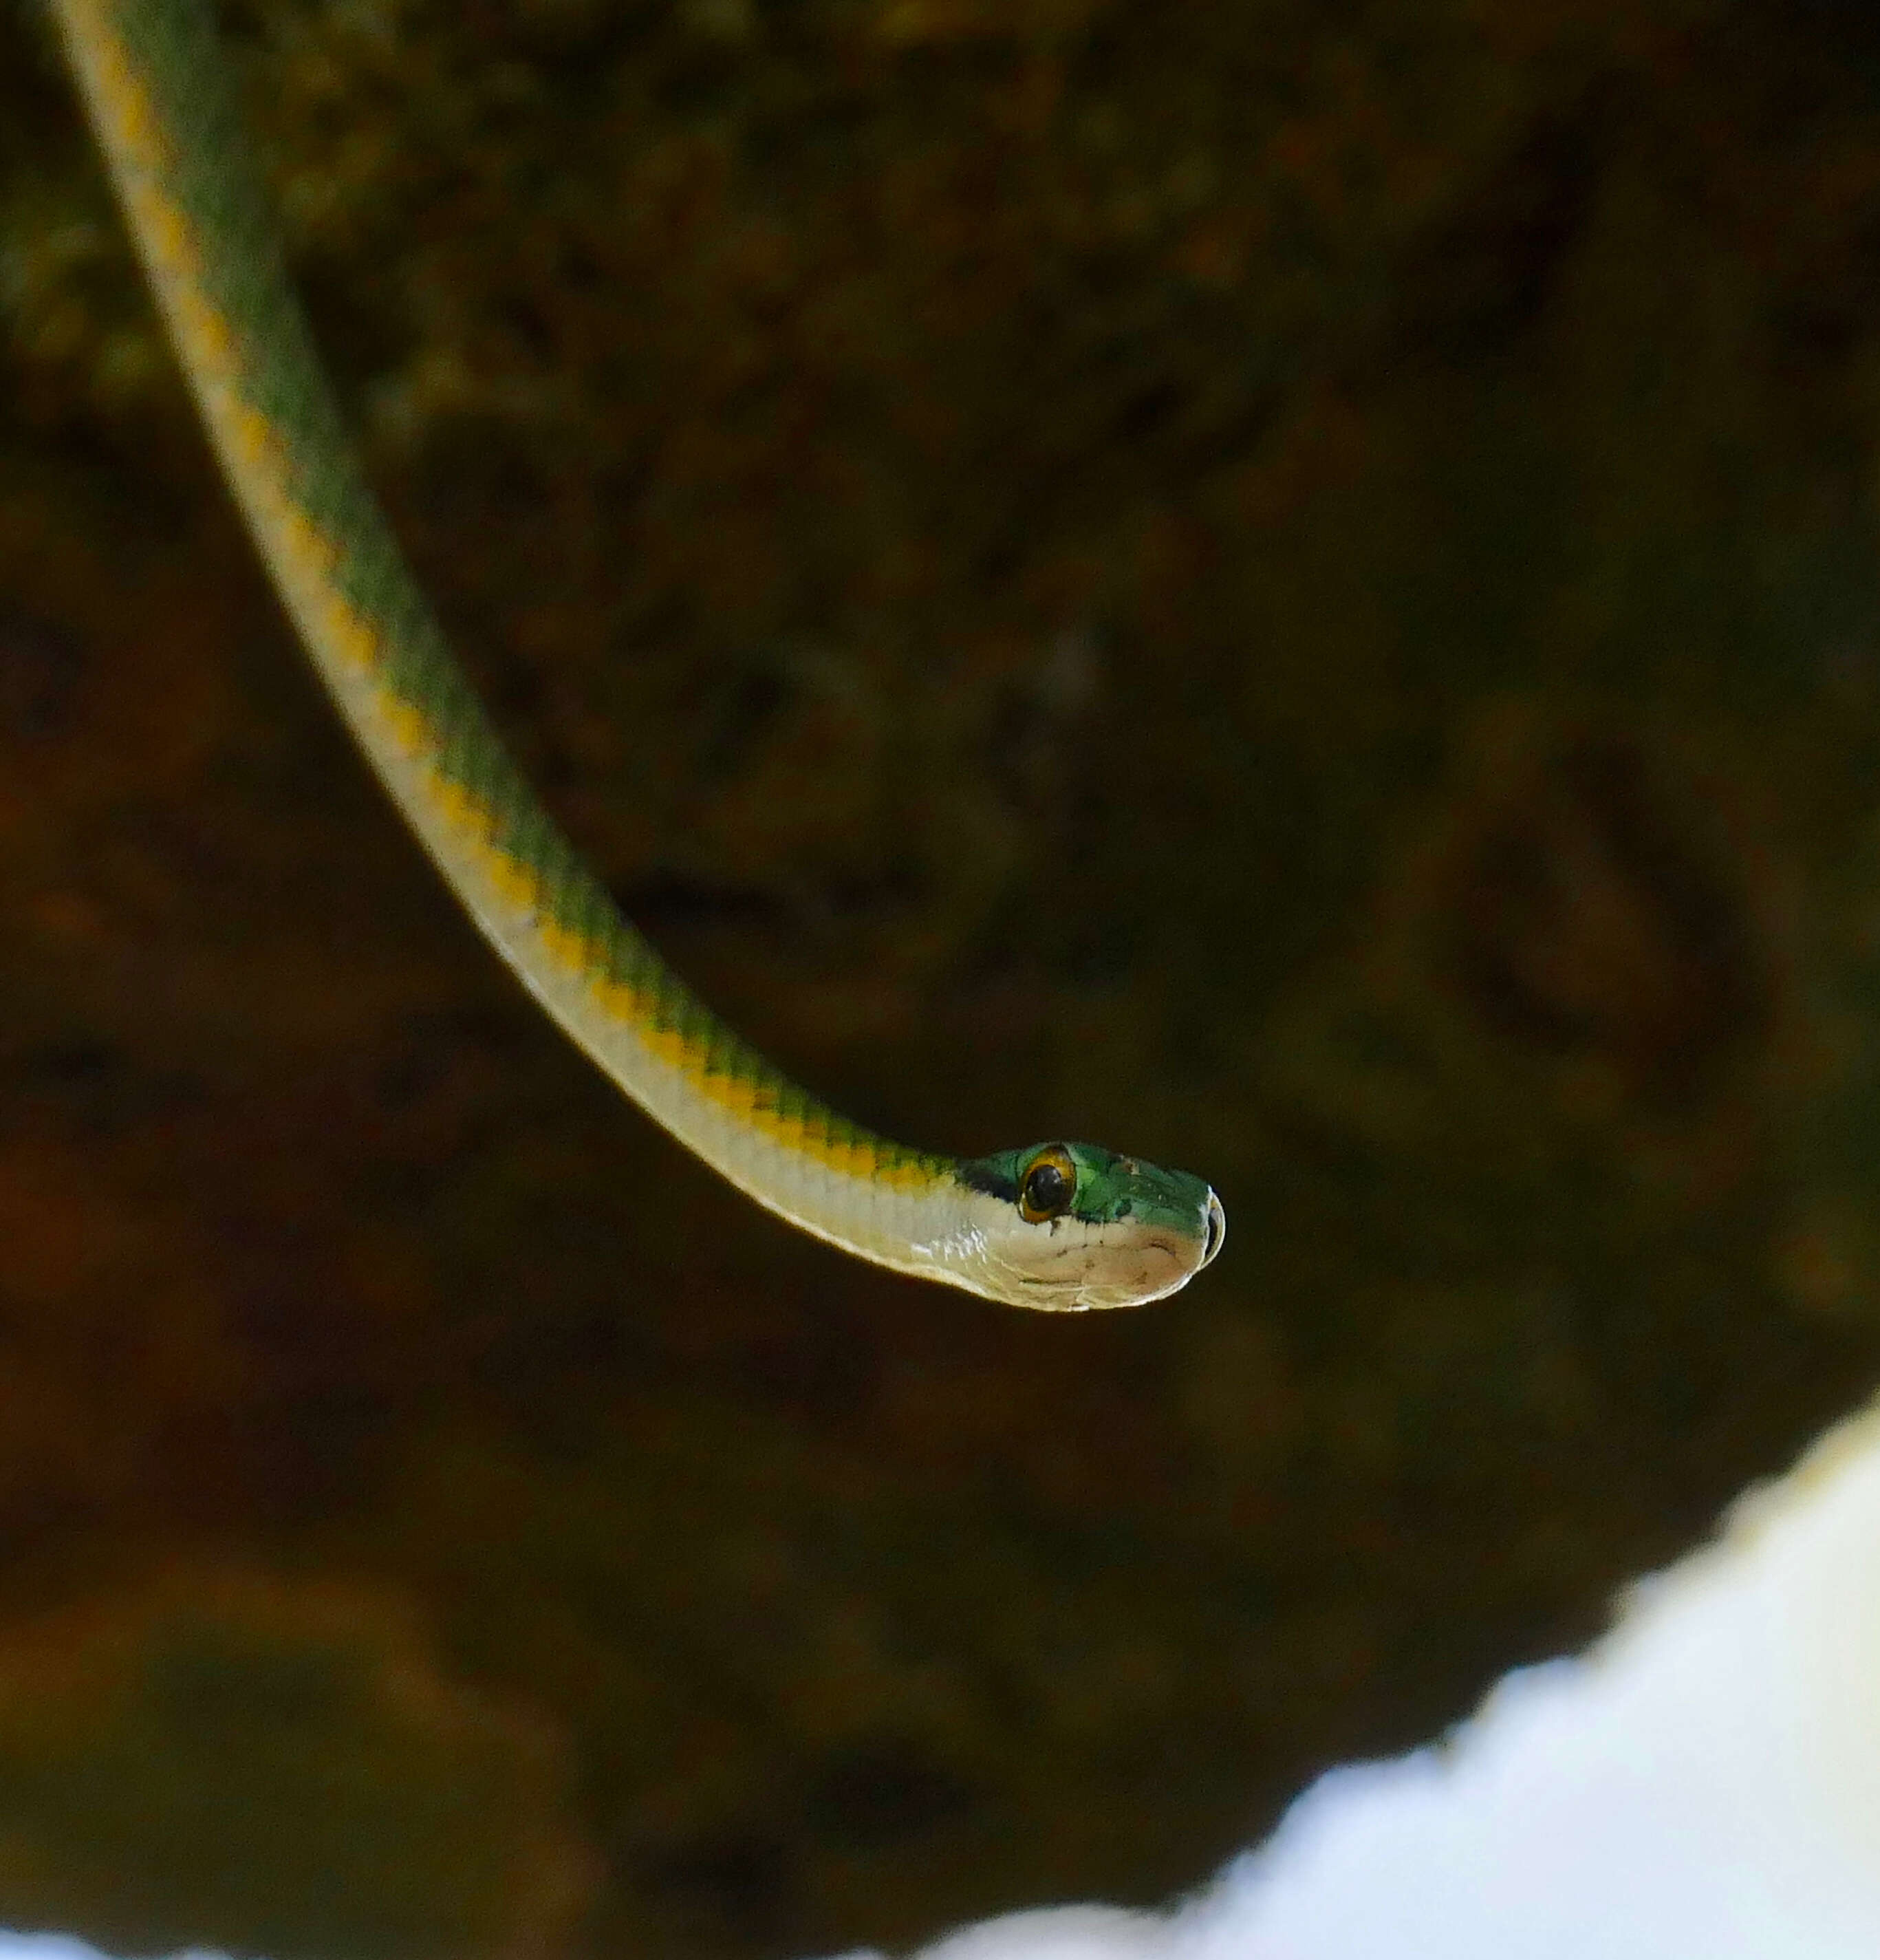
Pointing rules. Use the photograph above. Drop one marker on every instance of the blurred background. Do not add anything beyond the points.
(1293, 587)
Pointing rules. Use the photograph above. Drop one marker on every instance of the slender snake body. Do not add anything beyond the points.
(1053, 1225)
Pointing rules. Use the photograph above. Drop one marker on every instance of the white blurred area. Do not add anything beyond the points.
(1704, 1785)
(60, 1946)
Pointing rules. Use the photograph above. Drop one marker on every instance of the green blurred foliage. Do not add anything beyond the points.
(1291, 587)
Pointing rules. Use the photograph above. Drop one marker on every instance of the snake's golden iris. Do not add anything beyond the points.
(1050, 1183)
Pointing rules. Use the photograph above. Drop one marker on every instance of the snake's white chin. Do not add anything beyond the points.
(1085, 1268)
(1133, 1276)
(1069, 1265)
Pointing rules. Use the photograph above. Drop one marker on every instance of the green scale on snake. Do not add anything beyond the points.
(1060, 1225)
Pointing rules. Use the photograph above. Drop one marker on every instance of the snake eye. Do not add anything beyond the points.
(1049, 1183)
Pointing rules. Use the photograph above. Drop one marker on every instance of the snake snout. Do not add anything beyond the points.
(1217, 1231)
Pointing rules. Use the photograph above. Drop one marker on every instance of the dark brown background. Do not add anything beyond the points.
(1291, 586)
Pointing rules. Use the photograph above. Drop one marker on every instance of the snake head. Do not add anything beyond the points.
(1074, 1226)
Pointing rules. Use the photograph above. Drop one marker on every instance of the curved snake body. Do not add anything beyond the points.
(1062, 1225)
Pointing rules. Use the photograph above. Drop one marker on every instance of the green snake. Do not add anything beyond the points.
(1057, 1225)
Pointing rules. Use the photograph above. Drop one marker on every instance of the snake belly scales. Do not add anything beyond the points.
(1059, 1225)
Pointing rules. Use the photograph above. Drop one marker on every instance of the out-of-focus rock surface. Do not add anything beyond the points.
(1293, 588)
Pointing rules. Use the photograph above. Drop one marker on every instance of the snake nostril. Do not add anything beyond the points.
(1217, 1229)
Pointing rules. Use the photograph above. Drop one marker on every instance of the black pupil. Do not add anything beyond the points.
(1047, 1188)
